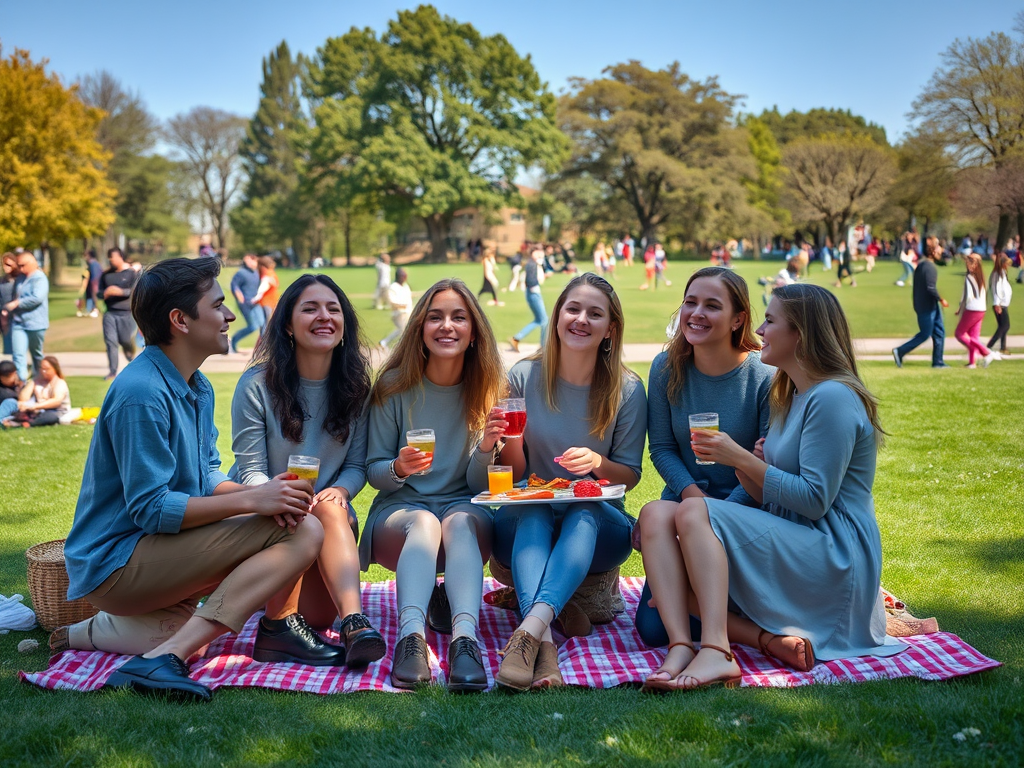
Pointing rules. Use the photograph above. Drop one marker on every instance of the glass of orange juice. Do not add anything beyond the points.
(306, 467)
(422, 440)
(704, 422)
(499, 478)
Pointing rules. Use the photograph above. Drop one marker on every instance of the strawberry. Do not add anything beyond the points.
(585, 488)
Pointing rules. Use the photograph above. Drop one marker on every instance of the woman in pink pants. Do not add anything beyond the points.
(972, 312)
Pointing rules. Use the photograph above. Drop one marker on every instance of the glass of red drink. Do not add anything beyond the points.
(515, 415)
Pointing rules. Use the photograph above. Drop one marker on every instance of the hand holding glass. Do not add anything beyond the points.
(703, 422)
(421, 440)
(515, 415)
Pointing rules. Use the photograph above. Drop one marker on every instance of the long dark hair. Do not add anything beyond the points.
(348, 382)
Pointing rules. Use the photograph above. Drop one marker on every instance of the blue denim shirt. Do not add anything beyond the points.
(154, 447)
(248, 282)
(33, 294)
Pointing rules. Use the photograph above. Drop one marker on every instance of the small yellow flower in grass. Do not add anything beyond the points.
(611, 741)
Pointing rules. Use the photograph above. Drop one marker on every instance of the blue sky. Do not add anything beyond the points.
(871, 57)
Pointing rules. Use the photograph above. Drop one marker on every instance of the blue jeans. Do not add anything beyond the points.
(25, 343)
(8, 408)
(540, 317)
(255, 319)
(551, 549)
(931, 325)
(908, 272)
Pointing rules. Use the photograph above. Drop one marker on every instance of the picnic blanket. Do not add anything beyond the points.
(612, 655)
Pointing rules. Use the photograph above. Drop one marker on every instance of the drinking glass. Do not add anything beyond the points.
(306, 467)
(423, 440)
(499, 478)
(704, 422)
(515, 415)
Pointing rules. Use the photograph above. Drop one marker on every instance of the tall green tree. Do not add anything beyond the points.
(53, 182)
(975, 102)
(819, 121)
(833, 179)
(924, 181)
(429, 117)
(765, 188)
(663, 143)
(273, 212)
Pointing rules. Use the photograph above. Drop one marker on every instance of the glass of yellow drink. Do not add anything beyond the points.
(422, 440)
(704, 422)
(306, 467)
(499, 478)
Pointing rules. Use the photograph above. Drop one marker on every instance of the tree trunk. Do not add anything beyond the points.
(347, 228)
(1020, 224)
(437, 230)
(833, 232)
(1003, 233)
(58, 260)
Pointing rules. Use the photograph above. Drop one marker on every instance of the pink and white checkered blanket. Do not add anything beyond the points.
(612, 655)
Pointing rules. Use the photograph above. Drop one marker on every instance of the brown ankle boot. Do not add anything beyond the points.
(545, 669)
(517, 664)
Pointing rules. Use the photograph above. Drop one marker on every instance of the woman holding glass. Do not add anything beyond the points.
(713, 365)
(586, 418)
(304, 394)
(806, 565)
(444, 375)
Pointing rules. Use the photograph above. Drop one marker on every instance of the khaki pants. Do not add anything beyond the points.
(144, 603)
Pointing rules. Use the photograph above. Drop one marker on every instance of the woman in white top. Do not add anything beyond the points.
(972, 312)
(999, 287)
(45, 400)
(400, 299)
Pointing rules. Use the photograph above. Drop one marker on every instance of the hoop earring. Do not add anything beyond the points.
(606, 345)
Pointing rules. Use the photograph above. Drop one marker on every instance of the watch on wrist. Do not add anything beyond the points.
(394, 474)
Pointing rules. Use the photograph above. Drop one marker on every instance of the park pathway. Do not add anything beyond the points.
(95, 363)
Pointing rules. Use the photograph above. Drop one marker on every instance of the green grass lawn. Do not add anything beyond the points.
(876, 307)
(950, 502)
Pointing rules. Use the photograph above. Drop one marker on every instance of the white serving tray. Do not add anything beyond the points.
(608, 493)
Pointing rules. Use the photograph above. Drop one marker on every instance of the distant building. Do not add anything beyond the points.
(507, 227)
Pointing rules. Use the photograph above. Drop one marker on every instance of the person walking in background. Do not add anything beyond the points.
(649, 269)
(907, 259)
(118, 326)
(515, 262)
(383, 267)
(30, 314)
(600, 259)
(972, 313)
(844, 259)
(245, 284)
(533, 279)
(826, 256)
(90, 288)
(267, 294)
(490, 263)
(400, 299)
(660, 265)
(928, 305)
(1001, 290)
(7, 282)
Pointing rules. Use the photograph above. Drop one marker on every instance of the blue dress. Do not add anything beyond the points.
(809, 562)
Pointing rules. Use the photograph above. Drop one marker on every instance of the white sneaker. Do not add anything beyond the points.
(79, 314)
(987, 359)
(900, 283)
(94, 313)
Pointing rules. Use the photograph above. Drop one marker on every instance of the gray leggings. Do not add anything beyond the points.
(417, 544)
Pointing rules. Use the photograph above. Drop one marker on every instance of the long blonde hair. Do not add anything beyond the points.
(973, 263)
(609, 372)
(680, 351)
(483, 375)
(824, 351)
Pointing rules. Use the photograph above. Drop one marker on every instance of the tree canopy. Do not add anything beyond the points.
(427, 118)
(53, 182)
(818, 122)
(664, 144)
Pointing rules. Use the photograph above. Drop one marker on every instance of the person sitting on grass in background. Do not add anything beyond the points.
(11, 387)
(304, 393)
(158, 525)
(45, 400)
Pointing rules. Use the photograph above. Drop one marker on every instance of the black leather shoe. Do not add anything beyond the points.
(166, 675)
(291, 639)
(465, 668)
(439, 612)
(363, 643)
(411, 665)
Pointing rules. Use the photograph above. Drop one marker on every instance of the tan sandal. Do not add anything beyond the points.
(663, 686)
(732, 681)
(806, 662)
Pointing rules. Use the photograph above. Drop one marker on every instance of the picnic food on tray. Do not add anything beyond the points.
(559, 483)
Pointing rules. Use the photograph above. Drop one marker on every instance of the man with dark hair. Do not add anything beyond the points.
(245, 284)
(928, 306)
(158, 525)
(118, 327)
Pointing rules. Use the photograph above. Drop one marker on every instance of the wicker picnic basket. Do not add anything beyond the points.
(48, 587)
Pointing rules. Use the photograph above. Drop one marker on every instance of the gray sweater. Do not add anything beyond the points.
(739, 397)
(261, 451)
(457, 464)
(550, 433)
